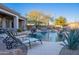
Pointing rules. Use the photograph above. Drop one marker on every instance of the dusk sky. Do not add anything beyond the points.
(70, 11)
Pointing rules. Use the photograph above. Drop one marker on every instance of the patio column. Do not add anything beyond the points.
(4, 23)
(16, 22)
(11, 24)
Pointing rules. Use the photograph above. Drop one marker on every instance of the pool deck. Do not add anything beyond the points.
(47, 48)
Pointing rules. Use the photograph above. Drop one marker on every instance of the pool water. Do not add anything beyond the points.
(51, 36)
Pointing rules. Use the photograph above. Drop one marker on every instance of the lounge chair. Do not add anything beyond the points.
(27, 40)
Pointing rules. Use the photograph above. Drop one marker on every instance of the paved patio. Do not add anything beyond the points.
(47, 48)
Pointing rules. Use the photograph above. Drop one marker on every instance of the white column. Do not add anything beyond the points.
(16, 22)
(4, 23)
(11, 23)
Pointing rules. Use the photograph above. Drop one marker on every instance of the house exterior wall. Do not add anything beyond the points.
(15, 20)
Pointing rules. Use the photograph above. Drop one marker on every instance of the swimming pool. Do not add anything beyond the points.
(46, 36)
(51, 36)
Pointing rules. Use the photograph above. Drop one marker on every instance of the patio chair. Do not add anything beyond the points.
(12, 42)
(28, 40)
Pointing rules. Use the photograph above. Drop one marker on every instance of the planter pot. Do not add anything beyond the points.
(67, 51)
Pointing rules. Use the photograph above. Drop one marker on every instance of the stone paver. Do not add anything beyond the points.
(47, 48)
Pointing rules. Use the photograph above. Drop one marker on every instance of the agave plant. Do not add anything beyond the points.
(71, 39)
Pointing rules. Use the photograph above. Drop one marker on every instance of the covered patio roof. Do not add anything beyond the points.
(9, 11)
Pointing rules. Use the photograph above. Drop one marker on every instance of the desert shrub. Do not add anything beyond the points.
(19, 30)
